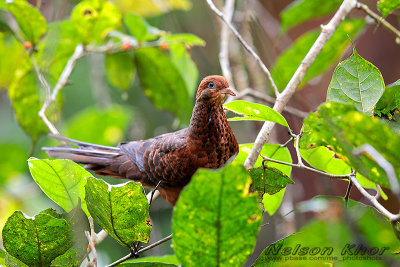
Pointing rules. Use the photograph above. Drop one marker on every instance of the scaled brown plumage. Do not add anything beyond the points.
(171, 158)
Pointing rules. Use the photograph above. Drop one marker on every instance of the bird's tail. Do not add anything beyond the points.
(103, 160)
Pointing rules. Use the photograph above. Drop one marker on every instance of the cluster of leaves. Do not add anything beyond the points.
(360, 109)
(356, 96)
(53, 239)
(50, 238)
(161, 60)
(347, 122)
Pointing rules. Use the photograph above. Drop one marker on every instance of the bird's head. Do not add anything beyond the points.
(214, 88)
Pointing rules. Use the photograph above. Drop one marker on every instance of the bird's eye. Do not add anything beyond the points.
(211, 85)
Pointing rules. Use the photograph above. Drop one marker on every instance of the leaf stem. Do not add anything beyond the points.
(392, 217)
(347, 196)
(132, 255)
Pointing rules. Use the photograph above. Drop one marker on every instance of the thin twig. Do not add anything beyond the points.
(131, 255)
(93, 262)
(344, 176)
(378, 19)
(378, 192)
(47, 88)
(297, 141)
(392, 217)
(245, 45)
(100, 236)
(383, 163)
(347, 196)
(287, 142)
(283, 98)
(155, 195)
(50, 98)
(224, 43)
(270, 100)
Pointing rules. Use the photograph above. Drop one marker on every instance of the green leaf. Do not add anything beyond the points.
(288, 61)
(120, 69)
(136, 25)
(12, 54)
(56, 49)
(187, 39)
(12, 163)
(388, 6)
(271, 202)
(274, 185)
(162, 82)
(185, 65)
(303, 10)
(253, 111)
(389, 101)
(333, 241)
(78, 224)
(151, 7)
(140, 29)
(121, 210)
(148, 264)
(324, 159)
(388, 107)
(94, 19)
(2, 255)
(274, 181)
(102, 126)
(342, 128)
(36, 241)
(394, 123)
(62, 180)
(23, 93)
(169, 259)
(358, 82)
(216, 225)
(31, 22)
(11, 261)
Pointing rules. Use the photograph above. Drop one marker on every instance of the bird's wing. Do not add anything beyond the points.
(160, 158)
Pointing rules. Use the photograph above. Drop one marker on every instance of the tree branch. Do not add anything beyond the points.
(283, 98)
(378, 19)
(224, 43)
(245, 44)
(50, 98)
(302, 166)
(92, 247)
(392, 217)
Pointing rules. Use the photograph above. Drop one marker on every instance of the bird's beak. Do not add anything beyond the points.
(227, 91)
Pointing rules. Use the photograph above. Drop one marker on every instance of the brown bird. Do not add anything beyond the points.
(169, 160)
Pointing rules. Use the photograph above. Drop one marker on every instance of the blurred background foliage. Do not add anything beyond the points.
(125, 95)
